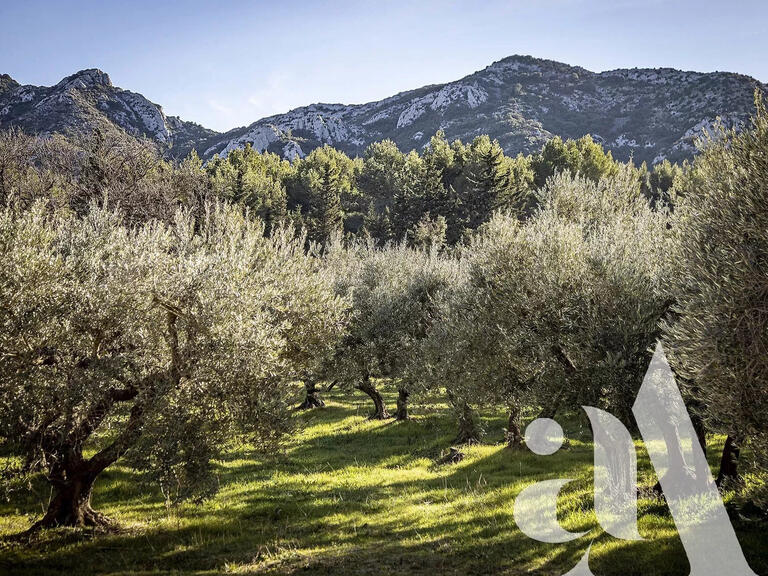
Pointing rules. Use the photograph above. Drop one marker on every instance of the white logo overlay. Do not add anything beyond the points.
(667, 431)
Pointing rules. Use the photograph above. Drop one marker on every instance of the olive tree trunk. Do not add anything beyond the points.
(554, 404)
(379, 408)
(312, 398)
(402, 404)
(729, 461)
(469, 428)
(514, 434)
(72, 477)
(700, 427)
(71, 505)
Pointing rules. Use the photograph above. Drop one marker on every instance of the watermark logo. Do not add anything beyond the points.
(676, 455)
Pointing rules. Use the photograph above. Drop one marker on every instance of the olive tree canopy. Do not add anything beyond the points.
(718, 337)
(558, 310)
(393, 293)
(156, 342)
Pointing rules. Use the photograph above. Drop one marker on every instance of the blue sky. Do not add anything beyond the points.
(225, 64)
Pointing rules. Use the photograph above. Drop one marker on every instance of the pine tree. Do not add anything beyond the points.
(583, 156)
(254, 180)
(380, 174)
(325, 214)
(378, 225)
(408, 203)
(488, 186)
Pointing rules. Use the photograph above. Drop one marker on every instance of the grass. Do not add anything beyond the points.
(353, 496)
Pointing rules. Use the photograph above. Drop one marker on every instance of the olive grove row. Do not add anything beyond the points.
(162, 340)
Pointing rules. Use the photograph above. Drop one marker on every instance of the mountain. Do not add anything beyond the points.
(649, 114)
(87, 100)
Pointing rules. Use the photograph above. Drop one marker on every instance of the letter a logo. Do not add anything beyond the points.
(667, 431)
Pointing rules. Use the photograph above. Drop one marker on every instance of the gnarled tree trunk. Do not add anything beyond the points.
(402, 404)
(312, 399)
(550, 411)
(676, 461)
(71, 505)
(699, 426)
(729, 462)
(72, 477)
(514, 434)
(379, 408)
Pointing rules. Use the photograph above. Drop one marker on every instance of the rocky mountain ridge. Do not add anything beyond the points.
(649, 114)
(87, 100)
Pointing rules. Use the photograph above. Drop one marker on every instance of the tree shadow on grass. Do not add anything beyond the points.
(283, 534)
(460, 547)
(330, 505)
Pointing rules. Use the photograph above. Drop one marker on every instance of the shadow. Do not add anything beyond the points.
(354, 496)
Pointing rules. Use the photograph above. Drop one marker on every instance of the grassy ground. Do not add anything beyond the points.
(352, 496)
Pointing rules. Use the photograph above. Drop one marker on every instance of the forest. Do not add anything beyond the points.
(253, 365)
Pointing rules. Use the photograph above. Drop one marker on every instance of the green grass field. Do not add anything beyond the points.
(353, 496)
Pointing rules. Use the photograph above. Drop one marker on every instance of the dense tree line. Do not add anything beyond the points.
(436, 196)
(387, 195)
(153, 311)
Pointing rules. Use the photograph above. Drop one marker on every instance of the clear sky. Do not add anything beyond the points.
(226, 64)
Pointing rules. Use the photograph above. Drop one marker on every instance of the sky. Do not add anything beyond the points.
(226, 64)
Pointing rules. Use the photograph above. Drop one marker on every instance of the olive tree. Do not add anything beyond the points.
(497, 330)
(154, 342)
(420, 281)
(626, 251)
(392, 292)
(717, 338)
(559, 310)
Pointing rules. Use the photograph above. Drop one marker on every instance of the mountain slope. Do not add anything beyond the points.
(649, 114)
(87, 100)
(522, 101)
